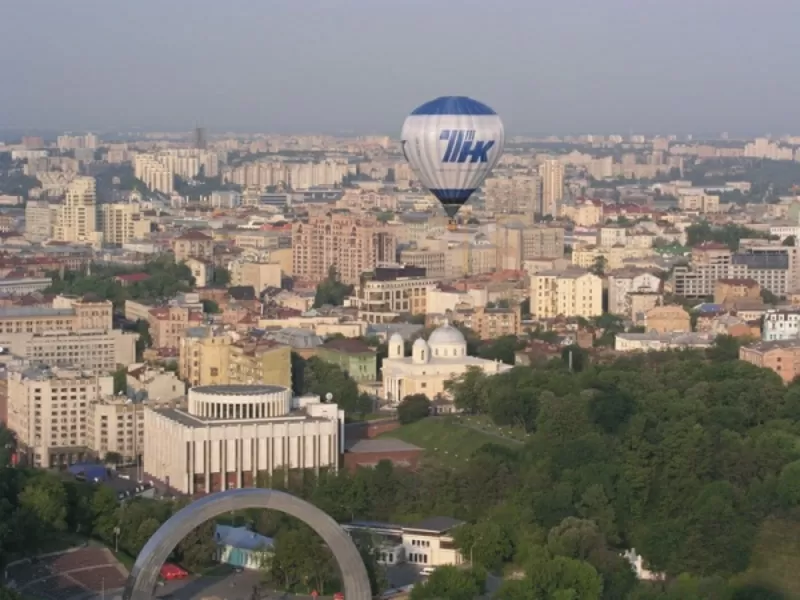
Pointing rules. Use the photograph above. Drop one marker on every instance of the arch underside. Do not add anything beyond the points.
(144, 574)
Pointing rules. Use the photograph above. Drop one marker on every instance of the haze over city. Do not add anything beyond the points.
(374, 300)
(612, 66)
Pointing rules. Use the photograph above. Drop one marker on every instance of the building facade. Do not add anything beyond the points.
(231, 436)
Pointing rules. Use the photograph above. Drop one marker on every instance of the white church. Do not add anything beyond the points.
(442, 358)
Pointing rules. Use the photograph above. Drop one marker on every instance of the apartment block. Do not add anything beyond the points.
(551, 173)
(259, 361)
(517, 243)
(781, 356)
(123, 223)
(386, 293)
(169, 323)
(353, 244)
(772, 267)
(40, 220)
(76, 217)
(492, 323)
(66, 314)
(567, 293)
(49, 410)
(625, 282)
(260, 275)
(782, 324)
(193, 244)
(702, 203)
(667, 319)
(728, 289)
(204, 356)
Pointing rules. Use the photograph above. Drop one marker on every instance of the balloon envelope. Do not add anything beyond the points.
(452, 143)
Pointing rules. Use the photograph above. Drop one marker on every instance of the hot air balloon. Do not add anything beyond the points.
(452, 143)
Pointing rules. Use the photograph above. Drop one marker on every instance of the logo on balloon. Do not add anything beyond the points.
(462, 146)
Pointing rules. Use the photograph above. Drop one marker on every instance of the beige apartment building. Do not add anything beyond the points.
(702, 203)
(76, 219)
(517, 243)
(66, 314)
(193, 244)
(667, 319)
(782, 357)
(515, 194)
(49, 411)
(40, 220)
(353, 244)
(385, 294)
(492, 323)
(204, 357)
(169, 323)
(584, 214)
(568, 293)
(210, 357)
(433, 261)
(552, 174)
(260, 275)
(123, 223)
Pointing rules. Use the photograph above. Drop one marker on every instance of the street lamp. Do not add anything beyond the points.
(116, 538)
(328, 397)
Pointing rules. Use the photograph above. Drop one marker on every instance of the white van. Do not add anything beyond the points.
(427, 571)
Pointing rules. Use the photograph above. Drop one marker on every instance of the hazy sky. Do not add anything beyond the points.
(336, 65)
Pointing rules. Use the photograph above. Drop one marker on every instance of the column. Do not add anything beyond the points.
(207, 463)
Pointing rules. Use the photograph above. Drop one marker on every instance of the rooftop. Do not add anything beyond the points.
(238, 390)
(384, 445)
(16, 312)
(435, 524)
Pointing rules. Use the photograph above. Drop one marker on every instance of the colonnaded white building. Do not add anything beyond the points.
(431, 364)
(231, 434)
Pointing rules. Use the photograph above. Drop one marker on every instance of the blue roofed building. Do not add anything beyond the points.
(241, 548)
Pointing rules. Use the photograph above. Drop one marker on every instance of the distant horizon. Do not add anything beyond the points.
(11, 133)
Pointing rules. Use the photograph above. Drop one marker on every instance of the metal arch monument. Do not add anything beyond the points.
(144, 574)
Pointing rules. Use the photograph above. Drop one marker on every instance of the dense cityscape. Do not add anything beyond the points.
(444, 359)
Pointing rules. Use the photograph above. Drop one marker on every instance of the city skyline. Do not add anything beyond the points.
(617, 66)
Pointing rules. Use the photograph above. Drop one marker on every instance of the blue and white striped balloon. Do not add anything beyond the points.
(452, 143)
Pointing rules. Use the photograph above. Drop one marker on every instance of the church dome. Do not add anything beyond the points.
(446, 335)
(447, 342)
(420, 352)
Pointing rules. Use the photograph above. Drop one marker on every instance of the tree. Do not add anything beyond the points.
(488, 544)
(9, 594)
(599, 266)
(210, 307)
(503, 349)
(768, 297)
(469, 391)
(113, 458)
(322, 378)
(790, 241)
(331, 290)
(197, 549)
(450, 583)
(221, 277)
(121, 380)
(45, 498)
(413, 408)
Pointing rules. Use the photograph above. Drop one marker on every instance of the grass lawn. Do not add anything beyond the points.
(484, 423)
(776, 555)
(445, 441)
